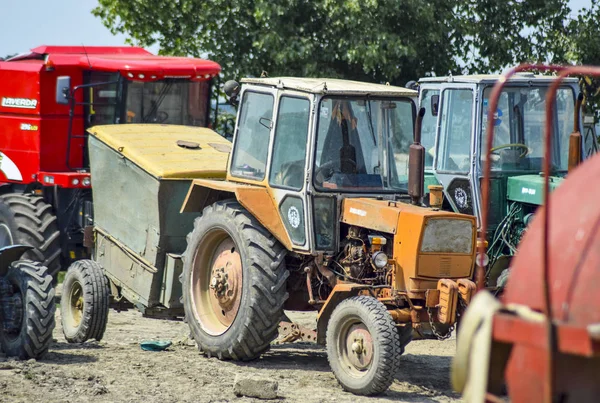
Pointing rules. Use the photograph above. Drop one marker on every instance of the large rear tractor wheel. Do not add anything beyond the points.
(26, 219)
(234, 283)
(26, 310)
(84, 302)
(364, 345)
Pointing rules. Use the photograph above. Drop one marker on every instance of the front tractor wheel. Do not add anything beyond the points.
(84, 302)
(26, 219)
(233, 283)
(364, 346)
(26, 310)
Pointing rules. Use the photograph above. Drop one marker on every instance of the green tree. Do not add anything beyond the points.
(7, 57)
(375, 40)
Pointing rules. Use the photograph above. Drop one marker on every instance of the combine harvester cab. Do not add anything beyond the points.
(454, 133)
(49, 98)
(541, 341)
(309, 211)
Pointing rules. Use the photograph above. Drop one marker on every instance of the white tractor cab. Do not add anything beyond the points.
(454, 132)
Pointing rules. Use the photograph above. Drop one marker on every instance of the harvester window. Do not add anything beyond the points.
(362, 144)
(177, 102)
(101, 98)
(252, 138)
(289, 148)
(519, 128)
(454, 148)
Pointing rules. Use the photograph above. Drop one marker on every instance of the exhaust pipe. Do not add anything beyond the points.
(575, 137)
(416, 163)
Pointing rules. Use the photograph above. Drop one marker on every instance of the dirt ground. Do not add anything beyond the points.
(118, 370)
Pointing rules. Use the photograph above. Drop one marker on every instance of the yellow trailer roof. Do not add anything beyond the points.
(155, 149)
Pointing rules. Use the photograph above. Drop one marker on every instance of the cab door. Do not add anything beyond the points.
(454, 160)
(429, 98)
(288, 165)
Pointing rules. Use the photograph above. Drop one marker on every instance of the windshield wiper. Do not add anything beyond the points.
(161, 97)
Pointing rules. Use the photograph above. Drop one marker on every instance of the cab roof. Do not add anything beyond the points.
(132, 62)
(330, 86)
(520, 78)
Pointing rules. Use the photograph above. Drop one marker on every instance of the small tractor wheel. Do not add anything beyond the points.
(364, 345)
(84, 302)
(26, 310)
(234, 283)
(27, 219)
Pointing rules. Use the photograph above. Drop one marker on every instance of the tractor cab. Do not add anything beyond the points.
(332, 139)
(454, 135)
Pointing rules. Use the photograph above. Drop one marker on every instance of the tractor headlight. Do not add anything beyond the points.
(380, 259)
(86, 181)
(482, 261)
(447, 235)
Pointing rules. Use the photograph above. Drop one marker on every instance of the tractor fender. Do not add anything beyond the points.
(10, 254)
(339, 293)
(258, 200)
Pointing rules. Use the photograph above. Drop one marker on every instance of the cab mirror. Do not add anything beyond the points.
(232, 89)
(435, 101)
(63, 90)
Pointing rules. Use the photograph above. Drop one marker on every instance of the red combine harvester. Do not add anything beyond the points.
(541, 342)
(48, 98)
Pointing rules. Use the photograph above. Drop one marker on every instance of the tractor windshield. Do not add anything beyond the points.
(519, 129)
(362, 144)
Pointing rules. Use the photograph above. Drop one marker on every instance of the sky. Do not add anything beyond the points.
(30, 23)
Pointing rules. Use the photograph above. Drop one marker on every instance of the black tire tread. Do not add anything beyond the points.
(266, 267)
(37, 226)
(39, 308)
(389, 339)
(96, 292)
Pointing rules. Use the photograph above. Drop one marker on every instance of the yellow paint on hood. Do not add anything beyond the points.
(153, 147)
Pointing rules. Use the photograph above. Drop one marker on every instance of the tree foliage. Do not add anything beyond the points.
(374, 40)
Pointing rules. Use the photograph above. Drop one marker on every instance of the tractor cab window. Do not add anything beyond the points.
(101, 98)
(252, 142)
(428, 127)
(177, 102)
(519, 129)
(289, 148)
(454, 148)
(362, 144)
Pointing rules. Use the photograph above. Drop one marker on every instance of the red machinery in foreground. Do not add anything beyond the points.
(48, 98)
(541, 343)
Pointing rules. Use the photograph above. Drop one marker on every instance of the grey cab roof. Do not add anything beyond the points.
(331, 86)
(519, 78)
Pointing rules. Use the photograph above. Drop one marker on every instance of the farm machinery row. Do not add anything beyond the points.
(318, 204)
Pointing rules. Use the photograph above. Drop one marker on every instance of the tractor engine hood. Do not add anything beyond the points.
(529, 188)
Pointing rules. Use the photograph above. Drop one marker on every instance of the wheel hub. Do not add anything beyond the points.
(224, 284)
(359, 346)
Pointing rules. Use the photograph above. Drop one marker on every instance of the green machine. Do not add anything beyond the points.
(454, 132)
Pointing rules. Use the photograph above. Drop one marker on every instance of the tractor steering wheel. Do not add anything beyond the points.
(509, 145)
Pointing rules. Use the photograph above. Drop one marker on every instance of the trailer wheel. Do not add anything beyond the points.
(364, 345)
(27, 219)
(234, 283)
(26, 310)
(84, 302)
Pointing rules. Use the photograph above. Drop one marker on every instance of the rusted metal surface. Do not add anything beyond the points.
(290, 332)
(466, 289)
(448, 301)
(401, 315)
(226, 282)
(416, 163)
(436, 196)
(575, 137)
